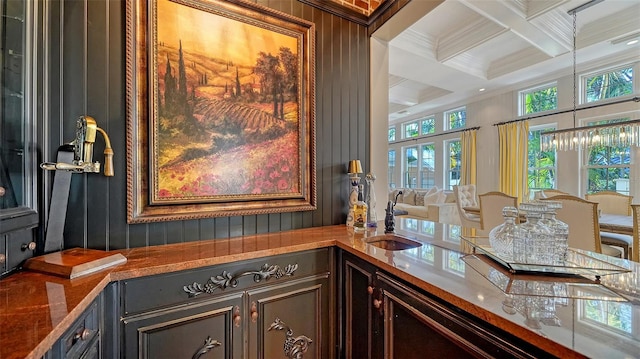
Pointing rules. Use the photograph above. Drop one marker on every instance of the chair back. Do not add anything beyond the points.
(611, 202)
(635, 247)
(582, 218)
(549, 192)
(491, 205)
(466, 197)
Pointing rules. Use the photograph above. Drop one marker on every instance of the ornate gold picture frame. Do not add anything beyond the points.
(221, 110)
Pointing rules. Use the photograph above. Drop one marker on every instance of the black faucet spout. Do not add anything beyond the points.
(389, 220)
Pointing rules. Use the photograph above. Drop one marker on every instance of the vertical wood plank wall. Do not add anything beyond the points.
(87, 76)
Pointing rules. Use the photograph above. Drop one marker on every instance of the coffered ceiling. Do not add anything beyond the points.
(462, 46)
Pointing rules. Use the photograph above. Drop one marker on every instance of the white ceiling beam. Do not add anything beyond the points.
(507, 17)
(466, 38)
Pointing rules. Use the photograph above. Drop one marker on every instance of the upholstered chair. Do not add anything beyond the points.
(613, 203)
(491, 205)
(547, 193)
(635, 248)
(584, 230)
(466, 197)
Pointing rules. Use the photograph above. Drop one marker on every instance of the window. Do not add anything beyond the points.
(608, 167)
(618, 316)
(538, 99)
(411, 167)
(454, 162)
(542, 164)
(610, 84)
(392, 168)
(428, 166)
(411, 130)
(392, 134)
(455, 118)
(428, 125)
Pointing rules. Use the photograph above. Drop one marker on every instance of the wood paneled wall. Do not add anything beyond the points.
(86, 75)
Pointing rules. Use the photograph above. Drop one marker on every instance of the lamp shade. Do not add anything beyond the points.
(354, 167)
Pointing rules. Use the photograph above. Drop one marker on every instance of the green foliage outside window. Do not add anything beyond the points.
(606, 164)
(428, 125)
(541, 100)
(456, 119)
(392, 134)
(541, 164)
(609, 85)
(411, 130)
(611, 314)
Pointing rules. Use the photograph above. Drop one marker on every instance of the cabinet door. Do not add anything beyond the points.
(358, 313)
(418, 326)
(291, 319)
(204, 329)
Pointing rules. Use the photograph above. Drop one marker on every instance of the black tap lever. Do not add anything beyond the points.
(389, 221)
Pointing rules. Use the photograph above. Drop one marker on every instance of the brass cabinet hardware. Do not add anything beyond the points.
(226, 279)
(370, 290)
(254, 312)
(3, 258)
(236, 317)
(83, 335)
(294, 347)
(208, 345)
(28, 246)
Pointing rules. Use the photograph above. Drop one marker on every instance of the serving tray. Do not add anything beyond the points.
(577, 263)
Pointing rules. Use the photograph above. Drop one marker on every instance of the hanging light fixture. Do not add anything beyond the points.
(626, 133)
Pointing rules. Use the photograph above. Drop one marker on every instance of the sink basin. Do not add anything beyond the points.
(392, 242)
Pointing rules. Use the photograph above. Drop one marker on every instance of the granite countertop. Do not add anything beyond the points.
(36, 309)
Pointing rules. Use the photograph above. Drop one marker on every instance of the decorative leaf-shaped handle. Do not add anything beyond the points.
(208, 345)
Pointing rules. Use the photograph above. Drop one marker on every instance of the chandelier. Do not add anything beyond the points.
(626, 133)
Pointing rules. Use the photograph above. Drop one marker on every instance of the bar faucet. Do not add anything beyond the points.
(389, 221)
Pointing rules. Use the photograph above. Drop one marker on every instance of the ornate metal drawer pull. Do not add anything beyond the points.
(294, 348)
(226, 279)
(208, 345)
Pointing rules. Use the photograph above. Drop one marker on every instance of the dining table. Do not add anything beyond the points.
(614, 223)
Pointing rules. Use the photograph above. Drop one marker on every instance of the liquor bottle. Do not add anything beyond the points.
(360, 211)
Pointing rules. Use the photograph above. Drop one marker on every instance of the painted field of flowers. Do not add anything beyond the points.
(270, 167)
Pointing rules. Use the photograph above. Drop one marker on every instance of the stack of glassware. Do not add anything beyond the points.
(542, 239)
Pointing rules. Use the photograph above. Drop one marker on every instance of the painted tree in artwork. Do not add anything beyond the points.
(290, 66)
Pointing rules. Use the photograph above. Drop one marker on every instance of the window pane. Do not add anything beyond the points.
(411, 130)
(455, 162)
(392, 134)
(411, 166)
(608, 167)
(608, 85)
(456, 119)
(542, 165)
(391, 168)
(540, 99)
(427, 170)
(428, 125)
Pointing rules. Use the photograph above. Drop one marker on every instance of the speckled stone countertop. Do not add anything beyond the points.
(586, 320)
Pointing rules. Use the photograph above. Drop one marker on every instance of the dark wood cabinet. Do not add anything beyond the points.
(83, 339)
(290, 318)
(206, 329)
(273, 307)
(384, 317)
(357, 316)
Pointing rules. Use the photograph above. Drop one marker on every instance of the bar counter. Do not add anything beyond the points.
(584, 319)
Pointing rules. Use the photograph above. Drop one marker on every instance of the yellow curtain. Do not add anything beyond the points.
(468, 157)
(514, 139)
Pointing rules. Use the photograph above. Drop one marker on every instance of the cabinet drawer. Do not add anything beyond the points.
(83, 336)
(140, 294)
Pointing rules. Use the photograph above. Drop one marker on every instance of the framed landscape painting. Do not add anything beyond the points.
(220, 117)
